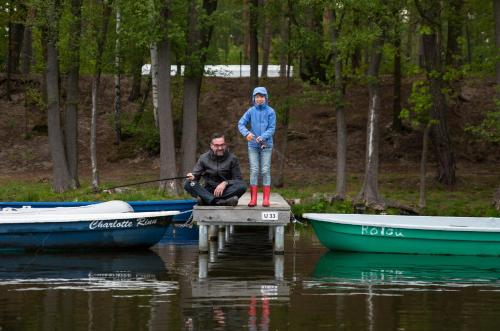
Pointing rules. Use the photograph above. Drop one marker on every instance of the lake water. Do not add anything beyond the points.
(241, 285)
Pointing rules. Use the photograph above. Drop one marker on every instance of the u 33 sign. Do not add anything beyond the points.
(269, 216)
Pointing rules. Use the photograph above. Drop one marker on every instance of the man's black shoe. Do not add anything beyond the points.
(232, 201)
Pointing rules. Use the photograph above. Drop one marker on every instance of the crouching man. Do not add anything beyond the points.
(221, 172)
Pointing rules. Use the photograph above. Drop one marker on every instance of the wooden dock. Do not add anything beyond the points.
(216, 221)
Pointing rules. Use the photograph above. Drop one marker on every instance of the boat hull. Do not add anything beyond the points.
(92, 233)
(379, 238)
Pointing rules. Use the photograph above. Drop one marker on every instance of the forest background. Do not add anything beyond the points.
(391, 103)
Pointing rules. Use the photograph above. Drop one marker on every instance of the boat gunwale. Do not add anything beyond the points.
(412, 226)
(74, 218)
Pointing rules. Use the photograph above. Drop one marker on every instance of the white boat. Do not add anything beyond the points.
(111, 224)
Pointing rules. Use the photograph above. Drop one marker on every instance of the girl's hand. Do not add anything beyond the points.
(260, 139)
(249, 137)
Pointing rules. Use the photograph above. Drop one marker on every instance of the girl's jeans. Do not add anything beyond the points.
(261, 157)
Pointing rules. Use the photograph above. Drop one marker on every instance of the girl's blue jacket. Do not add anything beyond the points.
(262, 120)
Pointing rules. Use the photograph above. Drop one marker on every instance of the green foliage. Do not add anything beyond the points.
(489, 128)
(323, 206)
(34, 97)
(420, 101)
(29, 191)
(142, 132)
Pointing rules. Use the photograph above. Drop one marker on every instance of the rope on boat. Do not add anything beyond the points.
(294, 220)
(189, 222)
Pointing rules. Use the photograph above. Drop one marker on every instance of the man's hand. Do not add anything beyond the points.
(250, 136)
(220, 189)
(190, 176)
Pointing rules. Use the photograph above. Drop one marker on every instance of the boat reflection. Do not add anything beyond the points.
(83, 270)
(393, 269)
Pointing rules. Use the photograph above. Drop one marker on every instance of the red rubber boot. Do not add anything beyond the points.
(267, 193)
(253, 196)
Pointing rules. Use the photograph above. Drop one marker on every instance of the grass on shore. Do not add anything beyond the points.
(472, 196)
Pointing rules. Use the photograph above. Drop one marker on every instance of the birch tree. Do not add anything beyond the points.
(101, 37)
(370, 191)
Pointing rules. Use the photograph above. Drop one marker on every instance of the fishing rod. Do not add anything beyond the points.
(145, 182)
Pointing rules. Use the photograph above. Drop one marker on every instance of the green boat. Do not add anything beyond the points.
(408, 234)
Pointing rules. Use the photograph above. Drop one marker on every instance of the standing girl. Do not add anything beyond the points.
(262, 120)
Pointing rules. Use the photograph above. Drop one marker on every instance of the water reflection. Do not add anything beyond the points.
(405, 269)
(84, 288)
(242, 285)
(238, 283)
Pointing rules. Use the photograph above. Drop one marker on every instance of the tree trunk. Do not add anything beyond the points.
(154, 80)
(397, 123)
(168, 166)
(246, 30)
(370, 193)
(423, 167)
(439, 133)
(496, 199)
(15, 40)
(198, 42)
(61, 180)
(496, 4)
(266, 44)
(455, 24)
(27, 48)
(96, 80)
(137, 62)
(190, 123)
(284, 37)
(254, 43)
(341, 179)
(73, 92)
(279, 180)
(118, 89)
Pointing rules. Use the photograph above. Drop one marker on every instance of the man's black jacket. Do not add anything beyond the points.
(216, 169)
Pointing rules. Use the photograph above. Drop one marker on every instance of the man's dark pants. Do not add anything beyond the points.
(236, 188)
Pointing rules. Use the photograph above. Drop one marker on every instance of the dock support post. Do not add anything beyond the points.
(271, 232)
(203, 239)
(221, 238)
(231, 229)
(202, 266)
(279, 267)
(279, 240)
(226, 233)
(212, 232)
(212, 255)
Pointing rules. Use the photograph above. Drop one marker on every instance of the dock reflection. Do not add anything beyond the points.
(238, 282)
